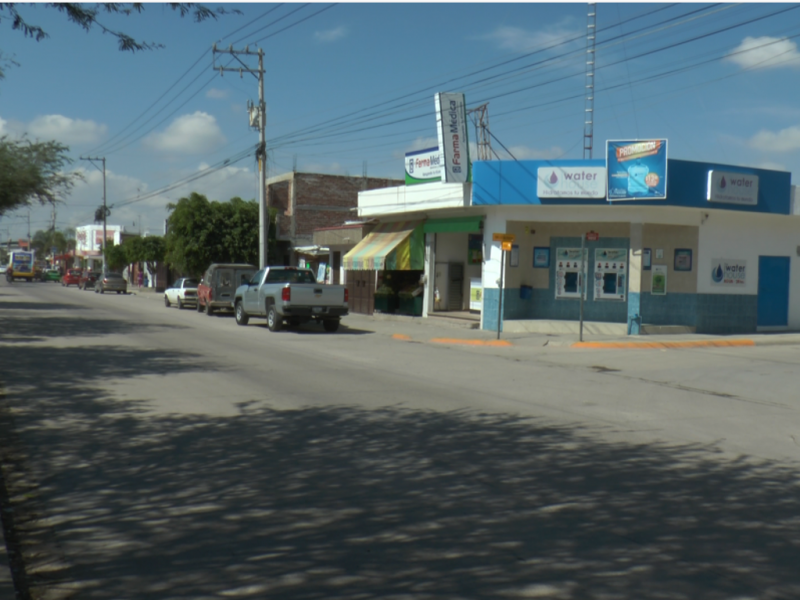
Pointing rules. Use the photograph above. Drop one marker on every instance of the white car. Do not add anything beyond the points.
(183, 293)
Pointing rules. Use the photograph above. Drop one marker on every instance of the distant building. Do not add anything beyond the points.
(89, 242)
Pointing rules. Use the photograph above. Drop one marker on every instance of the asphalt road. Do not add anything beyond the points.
(158, 453)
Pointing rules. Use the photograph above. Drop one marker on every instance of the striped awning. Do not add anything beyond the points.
(395, 246)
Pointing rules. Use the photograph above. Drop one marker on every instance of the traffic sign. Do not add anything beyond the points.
(504, 237)
(592, 236)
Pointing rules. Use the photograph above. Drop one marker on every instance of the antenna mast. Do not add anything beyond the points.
(588, 118)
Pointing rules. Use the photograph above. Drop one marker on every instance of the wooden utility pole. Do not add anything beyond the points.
(258, 119)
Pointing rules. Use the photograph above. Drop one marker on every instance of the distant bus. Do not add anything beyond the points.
(22, 265)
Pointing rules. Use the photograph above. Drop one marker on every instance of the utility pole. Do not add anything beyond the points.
(105, 207)
(258, 119)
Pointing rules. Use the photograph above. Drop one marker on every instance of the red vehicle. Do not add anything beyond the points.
(218, 286)
(71, 277)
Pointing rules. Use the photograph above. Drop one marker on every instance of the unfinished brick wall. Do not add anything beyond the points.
(320, 201)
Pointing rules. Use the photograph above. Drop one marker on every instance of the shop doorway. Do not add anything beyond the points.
(773, 291)
(361, 291)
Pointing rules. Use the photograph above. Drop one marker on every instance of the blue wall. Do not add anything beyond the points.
(515, 183)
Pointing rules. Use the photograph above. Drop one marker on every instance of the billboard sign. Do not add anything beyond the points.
(571, 182)
(424, 166)
(732, 188)
(451, 127)
(637, 169)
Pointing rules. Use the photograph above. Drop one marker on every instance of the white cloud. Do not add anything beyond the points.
(216, 94)
(66, 130)
(785, 140)
(190, 134)
(765, 53)
(771, 166)
(331, 35)
(518, 39)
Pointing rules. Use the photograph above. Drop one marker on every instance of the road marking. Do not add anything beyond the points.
(663, 345)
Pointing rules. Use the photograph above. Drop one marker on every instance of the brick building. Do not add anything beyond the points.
(309, 201)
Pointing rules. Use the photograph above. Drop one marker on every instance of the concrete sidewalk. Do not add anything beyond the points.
(442, 330)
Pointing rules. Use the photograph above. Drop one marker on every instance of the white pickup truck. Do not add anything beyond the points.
(291, 295)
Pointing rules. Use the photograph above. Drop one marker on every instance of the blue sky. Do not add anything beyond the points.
(352, 85)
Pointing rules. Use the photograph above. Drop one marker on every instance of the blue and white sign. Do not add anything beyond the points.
(451, 126)
(424, 166)
(637, 169)
(732, 188)
(730, 273)
(571, 182)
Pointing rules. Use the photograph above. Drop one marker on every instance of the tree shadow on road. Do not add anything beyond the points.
(348, 503)
(15, 329)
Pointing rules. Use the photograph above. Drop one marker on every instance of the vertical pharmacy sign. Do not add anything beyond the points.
(451, 126)
(637, 169)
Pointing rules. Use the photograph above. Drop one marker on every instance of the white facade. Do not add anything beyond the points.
(90, 238)
(408, 199)
(744, 237)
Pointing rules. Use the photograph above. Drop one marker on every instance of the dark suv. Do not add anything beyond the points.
(218, 286)
(87, 280)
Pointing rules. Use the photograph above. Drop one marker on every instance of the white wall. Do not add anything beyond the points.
(411, 198)
(746, 236)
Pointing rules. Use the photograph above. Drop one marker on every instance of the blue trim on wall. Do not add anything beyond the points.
(515, 183)
(709, 313)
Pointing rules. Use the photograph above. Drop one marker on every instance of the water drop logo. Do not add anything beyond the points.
(717, 274)
(722, 183)
(553, 178)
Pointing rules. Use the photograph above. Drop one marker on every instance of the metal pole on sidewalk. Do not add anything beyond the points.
(581, 282)
(500, 289)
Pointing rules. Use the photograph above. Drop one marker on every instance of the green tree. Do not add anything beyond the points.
(201, 232)
(43, 241)
(116, 257)
(149, 250)
(88, 16)
(33, 172)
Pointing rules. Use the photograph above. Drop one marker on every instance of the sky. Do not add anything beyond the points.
(350, 89)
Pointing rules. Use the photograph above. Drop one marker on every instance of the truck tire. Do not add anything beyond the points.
(209, 310)
(242, 318)
(331, 325)
(274, 320)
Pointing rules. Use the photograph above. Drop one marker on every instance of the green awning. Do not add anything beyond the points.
(454, 225)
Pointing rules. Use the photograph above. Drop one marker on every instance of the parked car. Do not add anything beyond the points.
(87, 280)
(52, 275)
(111, 282)
(71, 277)
(292, 295)
(182, 292)
(218, 285)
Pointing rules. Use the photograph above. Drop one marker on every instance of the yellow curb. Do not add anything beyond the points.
(401, 336)
(502, 343)
(663, 345)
